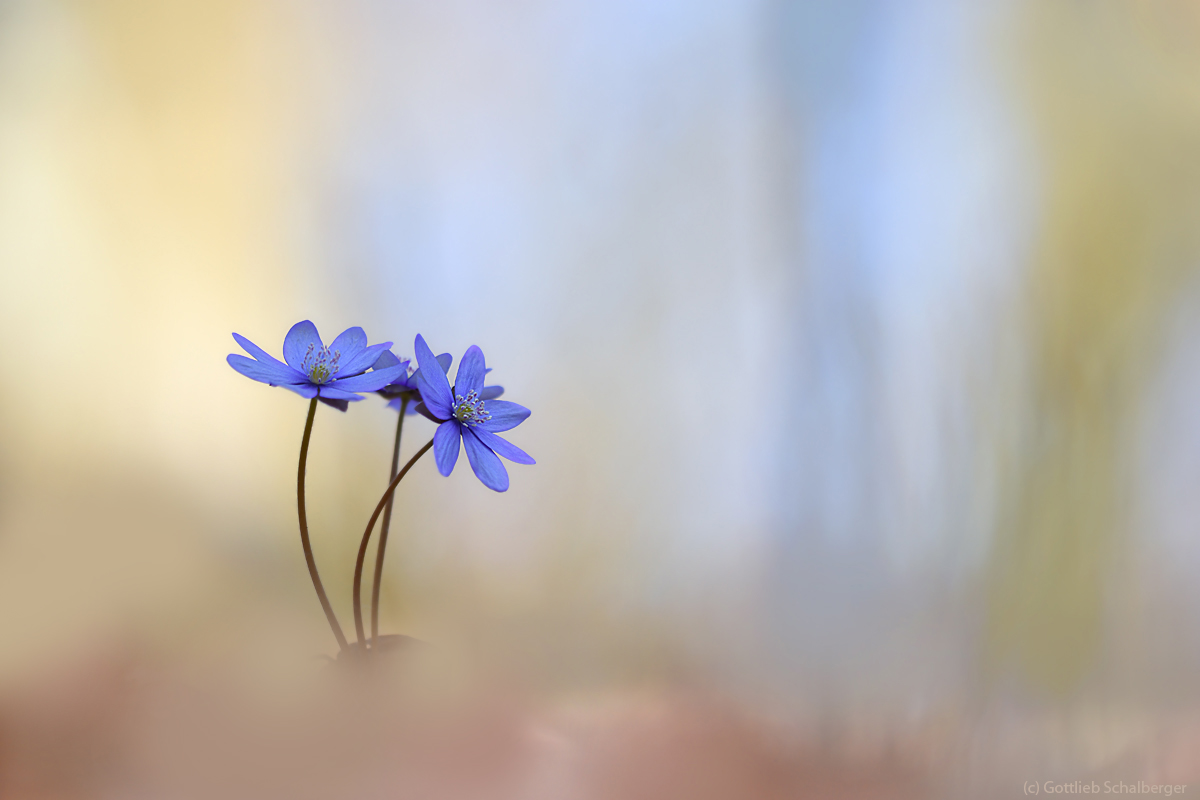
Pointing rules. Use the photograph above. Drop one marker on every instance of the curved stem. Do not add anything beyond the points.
(384, 526)
(362, 548)
(308, 553)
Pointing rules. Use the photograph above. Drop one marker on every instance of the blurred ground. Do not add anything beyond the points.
(124, 722)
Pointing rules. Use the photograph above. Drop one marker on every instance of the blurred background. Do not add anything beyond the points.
(860, 339)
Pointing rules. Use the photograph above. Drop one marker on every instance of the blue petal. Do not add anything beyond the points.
(334, 393)
(445, 446)
(256, 351)
(368, 381)
(400, 385)
(505, 416)
(274, 374)
(470, 372)
(399, 388)
(488, 468)
(504, 448)
(490, 392)
(340, 405)
(362, 361)
(295, 344)
(397, 401)
(445, 359)
(306, 390)
(349, 343)
(423, 410)
(434, 388)
(386, 359)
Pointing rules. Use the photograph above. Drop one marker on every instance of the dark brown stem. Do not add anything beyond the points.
(384, 526)
(308, 553)
(362, 548)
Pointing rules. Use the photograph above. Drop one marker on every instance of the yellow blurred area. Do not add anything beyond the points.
(1119, 113)
(138, 176)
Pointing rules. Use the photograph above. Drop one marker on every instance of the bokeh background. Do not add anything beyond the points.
(861, 339)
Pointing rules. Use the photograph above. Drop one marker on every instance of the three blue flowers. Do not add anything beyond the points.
(339, 373)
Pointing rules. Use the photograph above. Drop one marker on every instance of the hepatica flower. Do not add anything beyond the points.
(340, 372)
(465, 414)
(335, 373)
(406, 386)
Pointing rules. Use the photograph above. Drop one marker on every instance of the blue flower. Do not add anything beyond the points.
(335, 373)
(464, 413)
(405, 387)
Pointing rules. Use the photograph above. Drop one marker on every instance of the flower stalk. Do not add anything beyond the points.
(304, 540)
(338, 374)
(362, 548)
(385, 526)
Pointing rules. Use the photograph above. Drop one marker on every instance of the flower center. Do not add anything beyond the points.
(320, 365)
(469, 410)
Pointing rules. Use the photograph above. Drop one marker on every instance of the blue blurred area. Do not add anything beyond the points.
(766, 249)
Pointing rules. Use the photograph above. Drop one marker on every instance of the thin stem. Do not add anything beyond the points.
(308, 553)
(362, 548)
(384, 527)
